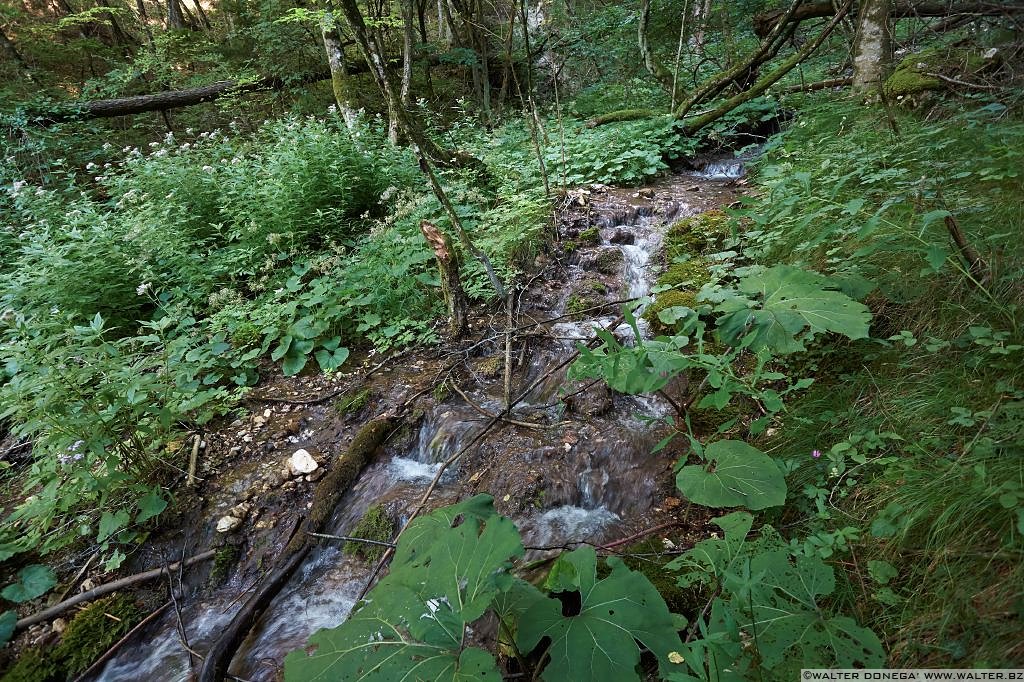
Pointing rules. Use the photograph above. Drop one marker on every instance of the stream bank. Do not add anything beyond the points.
(574, 466)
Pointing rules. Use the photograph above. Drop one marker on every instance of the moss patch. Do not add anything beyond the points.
(665, 300)
(492, 366)
(352, 402)
(692, 274)
(88, 636)
(223, 563)
(376, 524)
(911, 75)
(591, 235)
(696, 234)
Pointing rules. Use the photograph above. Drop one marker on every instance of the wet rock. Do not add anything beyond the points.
(621, 236)
(59, 625)
(240, 510)
(315, 476)
(694, 188)
(646, 193)
(228, 523)
(301, 462)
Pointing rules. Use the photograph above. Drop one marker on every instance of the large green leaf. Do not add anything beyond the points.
(8, 619)
(33, 581)
(782, 306)
(734, 475)
(600, 643)
(448, 569)
(713, 557)
(791, 623)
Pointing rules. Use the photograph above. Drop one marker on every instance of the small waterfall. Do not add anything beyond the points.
(594, 471)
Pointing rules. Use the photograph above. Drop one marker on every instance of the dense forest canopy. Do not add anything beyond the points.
(480, 340)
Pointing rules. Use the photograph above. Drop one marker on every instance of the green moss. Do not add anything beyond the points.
(692, 274)
(665, 300)
(352, 402)
(609, 262)
(377, 525)
(87, 637)
(911, 75)
(34, 665)
(223, 562)
(569, 246)
(904, 82)
(441, 392)
(590, 236)
(598, 287)
(696, 234)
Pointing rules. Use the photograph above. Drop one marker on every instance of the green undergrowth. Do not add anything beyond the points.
(906, 460)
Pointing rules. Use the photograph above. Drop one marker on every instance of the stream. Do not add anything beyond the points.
(588, 478)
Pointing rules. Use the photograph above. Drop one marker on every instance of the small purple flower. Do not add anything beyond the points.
(815, 454)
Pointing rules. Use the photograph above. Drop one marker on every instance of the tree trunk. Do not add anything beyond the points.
(451, 282)
(175, 20)
(338, 67)
(8, 45)
(872, 47)
(424, 148)
(651, 61)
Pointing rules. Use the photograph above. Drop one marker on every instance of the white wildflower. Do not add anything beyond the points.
(142, 288)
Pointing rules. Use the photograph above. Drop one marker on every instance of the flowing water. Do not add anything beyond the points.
(579, 481)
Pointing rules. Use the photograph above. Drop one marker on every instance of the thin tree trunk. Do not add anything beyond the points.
(144, 20)
(651, 61)
(339, 69)
(8, 45)
(203, 19)
(451, 281)
(872, 46)
(425, 149)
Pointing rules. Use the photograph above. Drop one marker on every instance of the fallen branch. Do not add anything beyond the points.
(477, 407)
(344, 471)
(820, 85)
(107, 588)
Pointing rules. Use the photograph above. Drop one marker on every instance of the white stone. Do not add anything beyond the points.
(226, 524)
(301, 462)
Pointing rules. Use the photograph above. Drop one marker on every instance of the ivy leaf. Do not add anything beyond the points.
(8, 619)
(448, 569)
(33, 581)
(735, 475)
(616, 613)
(787, 301)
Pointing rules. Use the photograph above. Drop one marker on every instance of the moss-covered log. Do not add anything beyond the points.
(344, 471)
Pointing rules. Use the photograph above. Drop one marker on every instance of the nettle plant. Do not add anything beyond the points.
(99, 411)
(454, 575)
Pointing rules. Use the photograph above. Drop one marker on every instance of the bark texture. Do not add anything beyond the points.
(872, 48)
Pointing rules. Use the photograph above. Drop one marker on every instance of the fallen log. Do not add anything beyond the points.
(902, 9)
(344, 471)
(107, 588)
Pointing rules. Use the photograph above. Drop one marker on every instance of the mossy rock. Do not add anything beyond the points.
(609, 262)
(352, 402)
(692, 274)
(569, 246)
(88, 636)
(664, 301)
(696, 234)
(591, 235)
(911, 76)
(376, 524)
